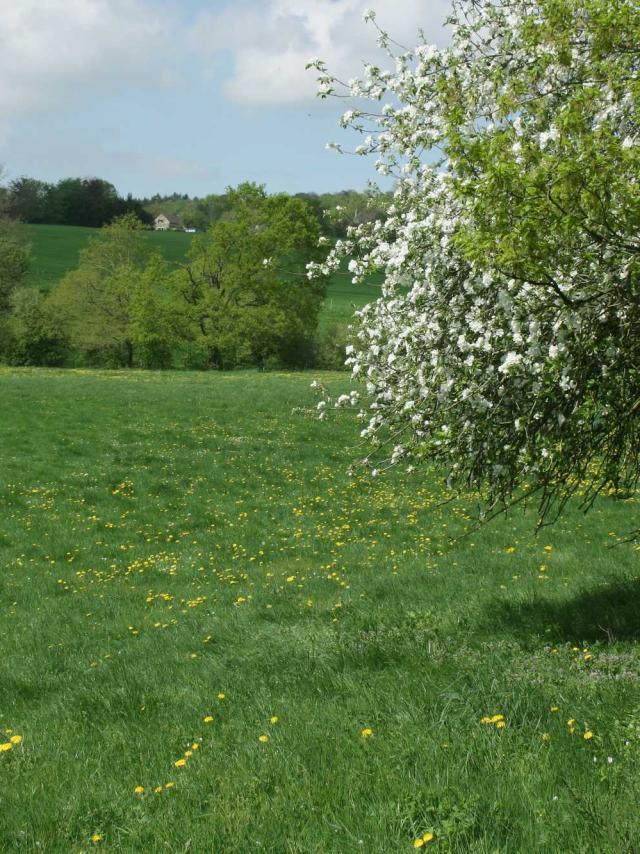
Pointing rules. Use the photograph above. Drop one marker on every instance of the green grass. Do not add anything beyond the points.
(55, 249)
(166, 538)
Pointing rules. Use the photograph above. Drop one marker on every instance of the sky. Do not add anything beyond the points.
(189, 96)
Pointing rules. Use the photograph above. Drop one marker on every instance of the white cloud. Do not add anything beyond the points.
(54, 52)
(272, 40)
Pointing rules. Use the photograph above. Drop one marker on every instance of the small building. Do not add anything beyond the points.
(166, 223)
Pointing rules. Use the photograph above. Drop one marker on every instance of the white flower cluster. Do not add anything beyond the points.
(511, 251)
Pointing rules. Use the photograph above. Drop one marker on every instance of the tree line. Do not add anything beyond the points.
(242, 298)
(90, 202)
(94, 202)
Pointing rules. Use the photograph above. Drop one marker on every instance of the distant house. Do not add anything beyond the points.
(166, 223)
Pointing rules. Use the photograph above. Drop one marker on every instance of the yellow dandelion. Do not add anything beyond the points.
(367, 732)
(263, 738)
(207, 719)
(15, 739)
(6, 746)
(418, 843)
(545, 736)
(139, 790)
(555, 708)
(97, 837)
(428, 837)
(188, 753)
(496, 719)
(180, 763)
(501, 724)
(588, 735)
(169, 785)
(157, 790)
(274, 719)
(221, 696)
(195, 746)
(571, 722)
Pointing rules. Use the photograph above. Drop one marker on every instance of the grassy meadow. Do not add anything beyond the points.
(56, 248)
(214, 640)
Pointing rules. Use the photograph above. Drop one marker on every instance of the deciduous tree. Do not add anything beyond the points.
(506, 345)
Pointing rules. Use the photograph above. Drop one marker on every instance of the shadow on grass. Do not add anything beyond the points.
(608, 612)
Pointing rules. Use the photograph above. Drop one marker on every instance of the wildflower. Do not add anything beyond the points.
(367, 732)
(555, 708)
(188, 753)
(501, 724)
(588, 735)
(263, 738)
(15, 739)
(207, 719)
(180, 763)
(5, 746)
(221, 696)
(274, 719)
(139, 790)
(169, 785)
(545, 736)
(157, 790)
(97, 837)
(195, 746)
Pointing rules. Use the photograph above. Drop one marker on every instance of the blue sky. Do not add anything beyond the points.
(191, 96)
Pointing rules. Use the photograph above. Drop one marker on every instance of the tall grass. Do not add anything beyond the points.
(213, 639)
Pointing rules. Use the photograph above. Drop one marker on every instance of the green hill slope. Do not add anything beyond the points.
(56, 248)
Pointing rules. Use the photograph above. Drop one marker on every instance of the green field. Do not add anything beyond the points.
(197, 600)
(55, 250)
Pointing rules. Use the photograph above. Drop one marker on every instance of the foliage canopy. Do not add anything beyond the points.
(506, 346)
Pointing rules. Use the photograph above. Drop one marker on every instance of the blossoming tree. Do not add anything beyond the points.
(506, 343)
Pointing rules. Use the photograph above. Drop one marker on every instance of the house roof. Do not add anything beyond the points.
(171, 219)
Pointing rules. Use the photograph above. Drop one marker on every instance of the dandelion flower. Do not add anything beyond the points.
(221, 696)
(139, 790)
(367, 732)
(15, 739)
(545, 736)
(274, 719)
(418, 843)
(427, 837)
(588, 735)
(263, 738)
(97, 837)
(180, 763)
(5, 746)
(207, 719)
(501, 724)
(169, 785)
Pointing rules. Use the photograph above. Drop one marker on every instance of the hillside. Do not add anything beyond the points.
(56, 248)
